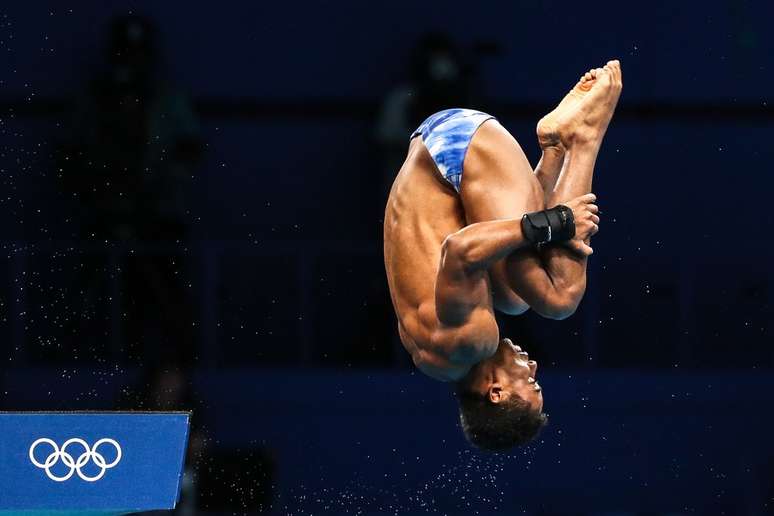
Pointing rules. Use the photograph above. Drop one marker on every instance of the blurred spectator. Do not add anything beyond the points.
(134, 143)
(439, 78)
(133, 147)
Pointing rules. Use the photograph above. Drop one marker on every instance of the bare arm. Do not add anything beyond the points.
(553, 279)
(567, 263)
(462, 282)
(585, 122)
(499, 184)
(467, 331)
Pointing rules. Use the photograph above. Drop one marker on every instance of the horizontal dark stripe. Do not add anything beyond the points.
(249, 109)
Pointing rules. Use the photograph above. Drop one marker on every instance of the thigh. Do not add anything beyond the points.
(498, 183)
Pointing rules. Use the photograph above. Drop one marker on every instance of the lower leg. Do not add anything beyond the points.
(577, 172)
(550, 138)
(499, 183)
(565, 265)
(577, 125)
(548, 169)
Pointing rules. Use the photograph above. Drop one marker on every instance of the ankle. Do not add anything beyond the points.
(586, 141)
(554, 151)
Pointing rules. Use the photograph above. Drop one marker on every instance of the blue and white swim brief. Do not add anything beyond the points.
(447, 135)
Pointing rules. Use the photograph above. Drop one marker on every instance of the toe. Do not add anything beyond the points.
(605, 77)
(615, 67)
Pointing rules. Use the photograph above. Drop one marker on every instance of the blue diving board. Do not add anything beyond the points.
(95, 463)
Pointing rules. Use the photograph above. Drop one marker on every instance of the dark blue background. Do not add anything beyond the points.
(672, 344)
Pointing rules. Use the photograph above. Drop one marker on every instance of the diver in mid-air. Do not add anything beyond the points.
(470, 227)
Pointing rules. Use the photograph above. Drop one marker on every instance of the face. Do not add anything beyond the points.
(514, 373)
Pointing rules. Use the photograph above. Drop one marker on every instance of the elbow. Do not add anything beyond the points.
(459, 249)
(560, 306)
(561, 312)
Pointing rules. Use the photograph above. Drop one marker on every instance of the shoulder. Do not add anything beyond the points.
(451, 360)
(439, 367)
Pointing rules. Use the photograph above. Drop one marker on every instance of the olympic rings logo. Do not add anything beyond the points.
(75, 465)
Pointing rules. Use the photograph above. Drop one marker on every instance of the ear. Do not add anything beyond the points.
(496, 394)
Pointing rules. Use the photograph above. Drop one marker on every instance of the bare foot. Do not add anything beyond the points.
(548, 135)
(585, 112)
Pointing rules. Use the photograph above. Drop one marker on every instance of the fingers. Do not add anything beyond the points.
(588, 198)
(594, 229)
(581, 247)
(593, 208)
(584, 249)
(595, 219)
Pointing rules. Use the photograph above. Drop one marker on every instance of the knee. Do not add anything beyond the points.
(561, 313)
(507, 305)
(506, 302)
(504, 298)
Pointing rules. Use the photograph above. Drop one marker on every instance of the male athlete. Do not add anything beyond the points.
(470, 227)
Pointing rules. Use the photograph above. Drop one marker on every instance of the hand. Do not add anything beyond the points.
(586, 223)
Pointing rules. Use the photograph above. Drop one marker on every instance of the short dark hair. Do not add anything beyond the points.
(498, 426)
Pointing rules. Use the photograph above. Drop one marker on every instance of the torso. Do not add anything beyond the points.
(422, 210)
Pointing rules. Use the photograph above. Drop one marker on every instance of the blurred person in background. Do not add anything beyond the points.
(439, 77)
(133, 146)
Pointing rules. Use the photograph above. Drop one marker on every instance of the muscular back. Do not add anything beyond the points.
(421, 212)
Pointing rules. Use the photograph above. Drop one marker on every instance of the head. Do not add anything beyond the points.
(436, 59)
(132, 53)
(501, 402)
(439, 75)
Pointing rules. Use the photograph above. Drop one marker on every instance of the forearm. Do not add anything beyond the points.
(462, 286)
(478, 246)
(566, 270)
(550, 291)
(552, 283)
